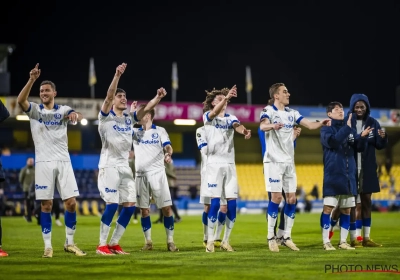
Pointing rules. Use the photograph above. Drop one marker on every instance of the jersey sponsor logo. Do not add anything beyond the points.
(271, 180)
(121, 128)
(148, 142)
(37, 187)
(221, 126)
(57, 116)
(154, 135)
(107, 190)
(286, 125)
(52, 122)
(212, 185)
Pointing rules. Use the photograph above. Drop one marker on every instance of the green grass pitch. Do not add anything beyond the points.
(252, 259)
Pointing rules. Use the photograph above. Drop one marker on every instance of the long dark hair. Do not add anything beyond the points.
(207, 106)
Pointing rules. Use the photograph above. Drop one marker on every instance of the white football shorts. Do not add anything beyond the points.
(116, 184)
(207, 200)
(203, 190)
(279, 175)
(221, 181)
(51, 174)
(153, 184)
(343, 201)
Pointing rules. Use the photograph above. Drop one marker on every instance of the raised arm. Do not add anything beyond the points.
(313, 125)
(161, 92)
(112, 89)
(22, 98)
(218, 108)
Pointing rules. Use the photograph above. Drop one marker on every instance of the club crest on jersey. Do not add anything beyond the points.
(128, 121)
(290, 118)
(57, 116)
(154, 135)
(371, 134)
(198, 135)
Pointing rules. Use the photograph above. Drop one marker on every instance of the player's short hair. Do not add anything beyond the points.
(332, 106)
(47, 82)
(207, 106)
(152, 112)
(119, 90)
(272, 90)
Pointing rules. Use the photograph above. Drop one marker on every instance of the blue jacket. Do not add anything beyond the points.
(369, 181)
(338, 143)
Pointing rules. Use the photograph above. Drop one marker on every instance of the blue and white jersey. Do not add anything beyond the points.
(219, 136)
(116, 138)
(202, 145)
(149, 148)
(279, 143)
(49, 131)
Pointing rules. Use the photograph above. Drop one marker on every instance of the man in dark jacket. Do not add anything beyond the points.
(4, 114)
(367, 170)
(339, 142)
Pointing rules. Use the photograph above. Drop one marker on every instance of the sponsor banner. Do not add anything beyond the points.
(251, 114)
(167, 111)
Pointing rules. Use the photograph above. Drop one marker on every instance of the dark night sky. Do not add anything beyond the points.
(322, 53)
